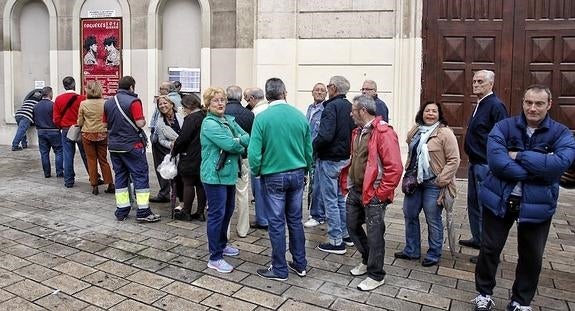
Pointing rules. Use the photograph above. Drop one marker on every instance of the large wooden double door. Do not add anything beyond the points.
(522, 41)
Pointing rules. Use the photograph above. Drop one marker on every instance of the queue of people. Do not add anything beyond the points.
(350, 153)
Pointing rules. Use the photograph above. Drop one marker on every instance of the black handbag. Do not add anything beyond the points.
(409, 182)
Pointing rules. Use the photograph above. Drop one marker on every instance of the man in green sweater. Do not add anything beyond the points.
(280, 152)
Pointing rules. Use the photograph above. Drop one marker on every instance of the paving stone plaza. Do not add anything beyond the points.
(62, 249)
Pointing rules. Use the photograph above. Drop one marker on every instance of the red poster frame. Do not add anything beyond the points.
(101, 53)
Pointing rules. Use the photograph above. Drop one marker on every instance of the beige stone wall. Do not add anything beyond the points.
(308, 41)
(245, 42)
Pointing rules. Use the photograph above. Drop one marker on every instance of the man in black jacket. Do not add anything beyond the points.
(332, 146)
(245, 119)
(488, 111)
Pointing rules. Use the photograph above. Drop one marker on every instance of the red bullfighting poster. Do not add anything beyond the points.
(100, 54)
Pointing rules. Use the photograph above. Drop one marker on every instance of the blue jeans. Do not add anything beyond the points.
(69, 148)
(20, 137)
(327, 175)
(221, 204)
(51, 139)
(317, 207)
(424, 197)
(283, 193)
(132, 167)
(475, 176)
(260, 206)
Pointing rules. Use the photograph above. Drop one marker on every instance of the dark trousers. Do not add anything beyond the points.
(371, 245)
(158, 154)
(531, 240)
(192, 186)
(50, 138)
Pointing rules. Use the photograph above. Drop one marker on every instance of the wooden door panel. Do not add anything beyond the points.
(461, 37)
(522, 41)
(545, 48)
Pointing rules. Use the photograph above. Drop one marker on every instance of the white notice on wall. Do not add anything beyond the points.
(101, 13)
(39, 84)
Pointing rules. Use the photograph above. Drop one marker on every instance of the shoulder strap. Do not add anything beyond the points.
(68, 105)
(125, 116)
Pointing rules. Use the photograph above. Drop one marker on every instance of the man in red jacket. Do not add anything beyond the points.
(371, 177)
(65, 115)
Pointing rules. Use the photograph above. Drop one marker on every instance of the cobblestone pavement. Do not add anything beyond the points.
(61, 249)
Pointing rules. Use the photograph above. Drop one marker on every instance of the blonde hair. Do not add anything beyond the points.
(165, 97)
(210, 93)
(93, 89)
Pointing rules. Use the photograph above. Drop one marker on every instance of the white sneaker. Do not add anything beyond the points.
(312, 223)
(369, 284)
(514, 306)
(483, 303)
(361, 269)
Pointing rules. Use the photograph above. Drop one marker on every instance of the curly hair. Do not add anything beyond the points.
(210, 93)
(111, 40)
(90, 40)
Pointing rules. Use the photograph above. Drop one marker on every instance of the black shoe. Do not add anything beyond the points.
(24, 146)
(158, 199)
(111, 189)
(69, 185)
(469, 243)
(95, 190)
(402, 255)
(100, 181)
(269, 274)
(428, 262)
(60, 176)
(473, 259)
(292, 267)
(179, 214)
(198, 216)
(258, 226)
(17, 148)
(334, 249)
(47, 176)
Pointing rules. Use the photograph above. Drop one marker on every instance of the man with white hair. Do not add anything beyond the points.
(332, 147)
(488, 111)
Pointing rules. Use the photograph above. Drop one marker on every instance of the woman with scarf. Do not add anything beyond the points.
(432, 162)
(168, 128)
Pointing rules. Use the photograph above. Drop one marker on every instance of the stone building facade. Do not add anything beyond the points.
(241, 42)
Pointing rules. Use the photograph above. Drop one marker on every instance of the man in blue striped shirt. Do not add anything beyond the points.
(24, 118)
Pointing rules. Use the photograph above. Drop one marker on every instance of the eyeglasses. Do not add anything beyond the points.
(365, 89)
(331, 84)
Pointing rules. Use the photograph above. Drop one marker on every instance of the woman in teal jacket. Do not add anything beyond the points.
(223, 141)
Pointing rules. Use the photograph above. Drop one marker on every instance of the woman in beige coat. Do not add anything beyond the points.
(95, 136)
(432, 162)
